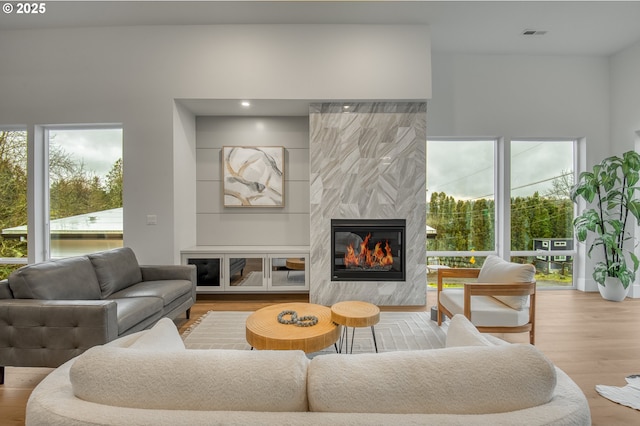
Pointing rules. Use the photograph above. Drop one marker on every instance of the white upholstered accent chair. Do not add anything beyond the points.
(501, 300)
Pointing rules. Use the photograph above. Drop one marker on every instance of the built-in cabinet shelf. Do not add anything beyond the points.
(253, 269)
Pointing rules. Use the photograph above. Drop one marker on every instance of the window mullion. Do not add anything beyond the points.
(37, 228)
(503, 198)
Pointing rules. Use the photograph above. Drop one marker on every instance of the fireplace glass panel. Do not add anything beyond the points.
(368, 249)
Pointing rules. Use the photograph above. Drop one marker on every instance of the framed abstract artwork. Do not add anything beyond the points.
(253, 176)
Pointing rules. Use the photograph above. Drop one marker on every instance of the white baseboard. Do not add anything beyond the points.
(634, 291)
(586, 284)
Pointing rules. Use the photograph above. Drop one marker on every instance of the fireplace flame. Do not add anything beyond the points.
(367, 258)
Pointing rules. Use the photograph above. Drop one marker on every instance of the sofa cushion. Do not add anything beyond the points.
(137, 313)
(162, 337)
(167, 290)
(216, 380)
(116, 269)
(72, 278)
(498, 270)
(461, 380)
(461, 332)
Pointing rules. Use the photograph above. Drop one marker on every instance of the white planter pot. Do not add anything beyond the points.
(613, 289)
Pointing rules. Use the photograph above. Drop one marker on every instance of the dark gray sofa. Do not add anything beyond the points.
(52, 311)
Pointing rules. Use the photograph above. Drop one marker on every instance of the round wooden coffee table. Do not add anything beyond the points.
(353, 313)
(265, 332)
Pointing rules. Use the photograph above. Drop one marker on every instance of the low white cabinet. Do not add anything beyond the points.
(241, 269)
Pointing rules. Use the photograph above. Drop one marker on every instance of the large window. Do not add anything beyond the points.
(13, 193)
(541, 208)
(503, 197)
(75, 205)
(460, 196)
(85, 190)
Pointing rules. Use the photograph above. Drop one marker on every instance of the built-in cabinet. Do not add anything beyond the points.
(241, 269)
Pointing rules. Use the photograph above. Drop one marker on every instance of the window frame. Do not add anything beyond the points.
(39, 224)
(502, 197)
(19, 260)
(497, 205)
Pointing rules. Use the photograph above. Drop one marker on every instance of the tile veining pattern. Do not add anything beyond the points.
(368, 163)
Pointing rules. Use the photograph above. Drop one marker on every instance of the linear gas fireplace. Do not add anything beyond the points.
(368, 249)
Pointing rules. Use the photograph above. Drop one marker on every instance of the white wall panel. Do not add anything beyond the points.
(262, 229)
(209, 195)
(214, 132)
(298, 165)
(208, 163)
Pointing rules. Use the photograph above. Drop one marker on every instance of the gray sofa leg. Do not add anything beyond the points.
(188, 313)
(1, 374)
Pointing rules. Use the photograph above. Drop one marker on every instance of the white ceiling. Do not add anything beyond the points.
(599, 28)
(574, 27)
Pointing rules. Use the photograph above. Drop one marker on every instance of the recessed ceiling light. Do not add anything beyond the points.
(245, 104)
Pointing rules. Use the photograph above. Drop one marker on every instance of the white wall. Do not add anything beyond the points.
(625, 111)
(625, 98)
(519, 96)
(131, 75)
(524, 96)
(184, 166)
(254, 226)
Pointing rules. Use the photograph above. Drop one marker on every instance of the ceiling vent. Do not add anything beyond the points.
(533, 33)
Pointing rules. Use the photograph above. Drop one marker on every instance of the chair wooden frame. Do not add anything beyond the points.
(491, 289)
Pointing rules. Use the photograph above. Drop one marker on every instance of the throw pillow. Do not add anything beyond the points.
(498, 270)
(162, 337)
(462, 332)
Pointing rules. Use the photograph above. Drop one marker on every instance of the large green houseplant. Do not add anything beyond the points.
(611, 191)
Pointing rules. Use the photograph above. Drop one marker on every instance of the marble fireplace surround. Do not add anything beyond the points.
(367, 161)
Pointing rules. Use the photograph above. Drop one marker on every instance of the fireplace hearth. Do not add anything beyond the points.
(368, 249)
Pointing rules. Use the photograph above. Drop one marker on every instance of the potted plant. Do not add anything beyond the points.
(610, 189)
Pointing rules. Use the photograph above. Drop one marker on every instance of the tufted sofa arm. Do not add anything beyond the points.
(47, 333)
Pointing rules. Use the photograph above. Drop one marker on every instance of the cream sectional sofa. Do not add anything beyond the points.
(151, 379)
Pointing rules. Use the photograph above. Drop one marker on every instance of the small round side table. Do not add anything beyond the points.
(354, 314)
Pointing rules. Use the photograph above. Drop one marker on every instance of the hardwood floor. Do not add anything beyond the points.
(594, 341)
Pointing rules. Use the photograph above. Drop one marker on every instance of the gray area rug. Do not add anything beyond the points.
(396, 331)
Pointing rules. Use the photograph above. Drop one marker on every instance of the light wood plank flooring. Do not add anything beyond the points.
(592, 340)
